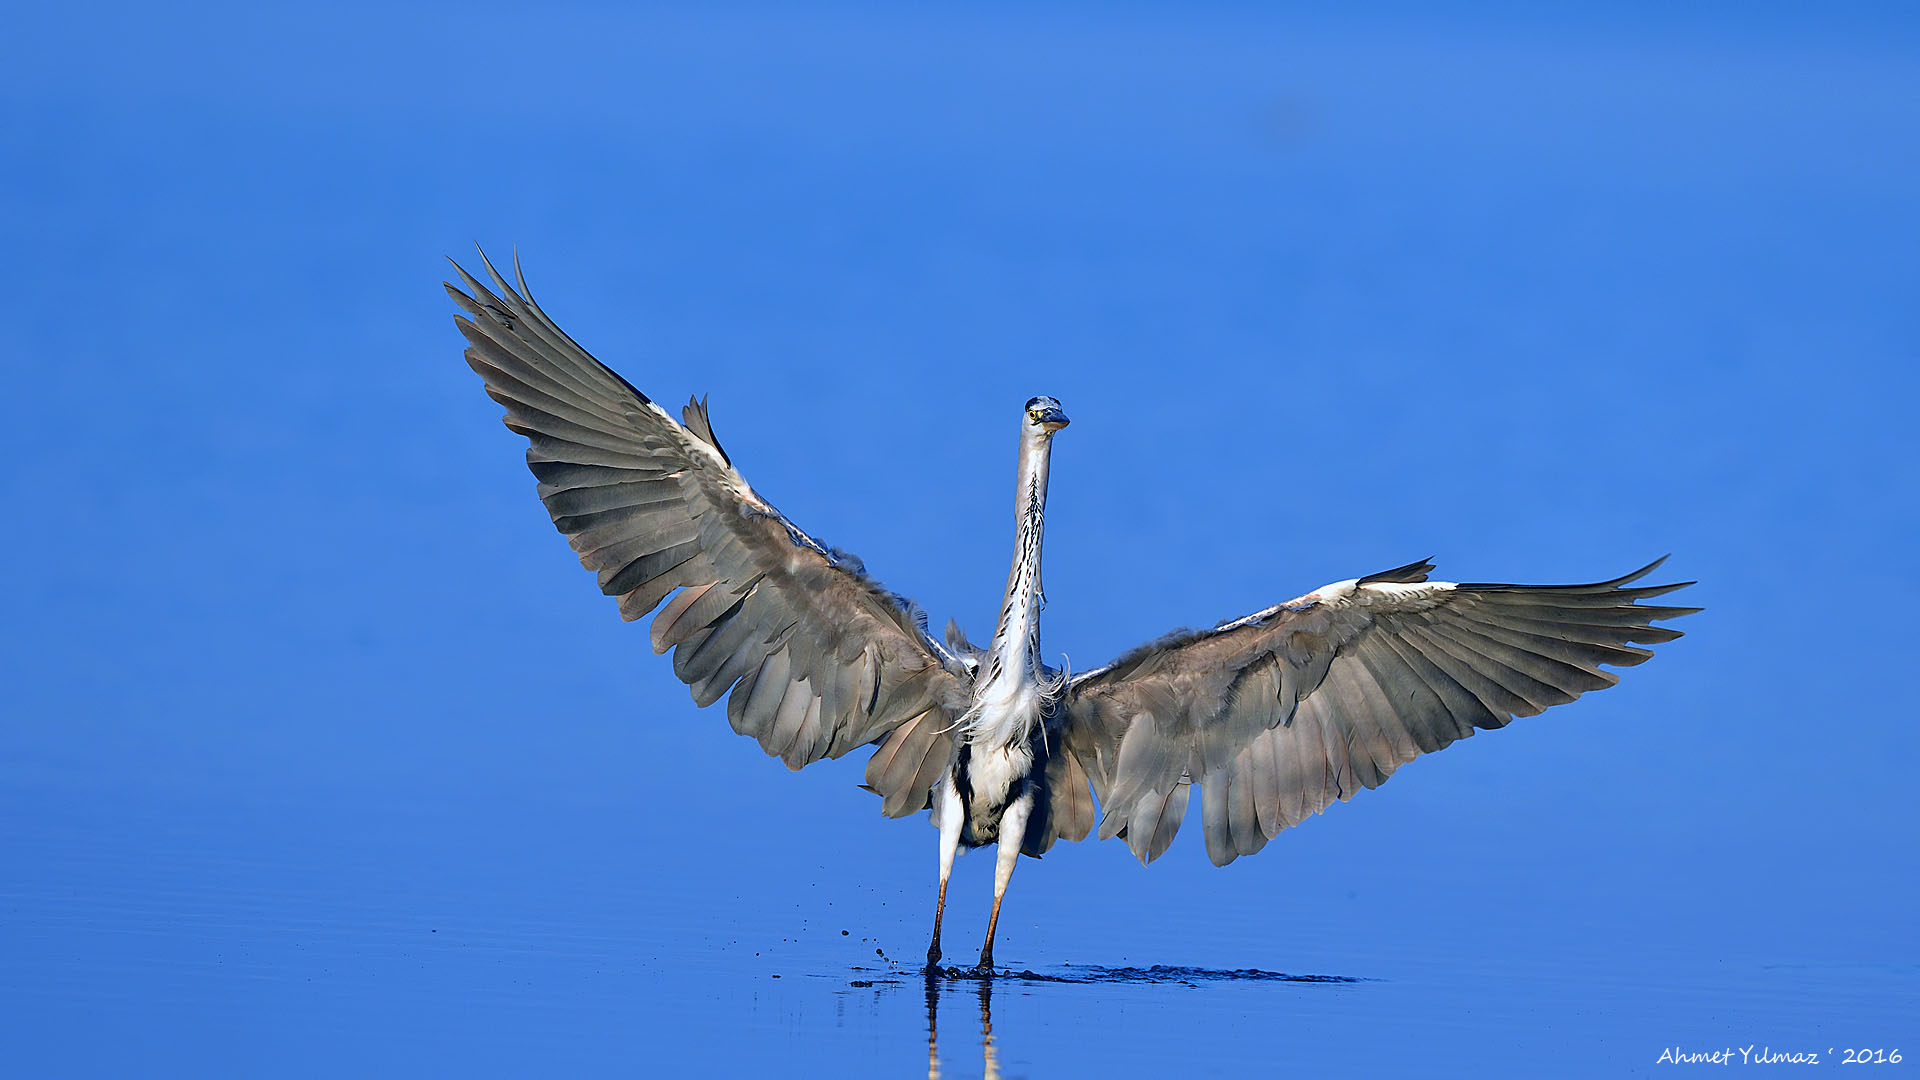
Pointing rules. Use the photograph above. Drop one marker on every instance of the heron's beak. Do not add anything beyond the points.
(1052, 420)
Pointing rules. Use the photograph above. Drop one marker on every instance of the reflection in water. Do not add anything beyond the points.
(935, 980)
(938, 979)
(933, 1027)
(986, 1030)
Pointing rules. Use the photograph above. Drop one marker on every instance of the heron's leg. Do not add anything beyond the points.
(1013, 832)
(951, 815)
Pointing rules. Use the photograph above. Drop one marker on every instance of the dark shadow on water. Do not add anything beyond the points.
(941, 980)
(1157, 975)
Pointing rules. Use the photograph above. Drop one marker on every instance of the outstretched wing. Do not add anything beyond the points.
(819, 658)
(1278, 714)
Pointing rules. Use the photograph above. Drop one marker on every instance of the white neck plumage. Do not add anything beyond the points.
(1009, 688)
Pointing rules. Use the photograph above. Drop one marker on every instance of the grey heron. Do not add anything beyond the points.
(1274, 716)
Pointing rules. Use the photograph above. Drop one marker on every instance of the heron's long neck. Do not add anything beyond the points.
(1014, 656)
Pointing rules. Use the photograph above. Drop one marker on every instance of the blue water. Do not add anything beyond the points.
(312, 940)
(319, 755)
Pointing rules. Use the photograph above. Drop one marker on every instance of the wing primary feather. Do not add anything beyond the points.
(1409, 703)
(1466, 708)
(1499, 700)
(1541, 680)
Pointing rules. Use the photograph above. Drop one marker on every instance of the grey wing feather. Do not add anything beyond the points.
(1281, 713)
(1070, 810)
(818, 658)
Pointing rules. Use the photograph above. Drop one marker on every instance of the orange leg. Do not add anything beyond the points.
(1013, 832)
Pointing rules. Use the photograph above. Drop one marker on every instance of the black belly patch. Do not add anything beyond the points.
(982, 823)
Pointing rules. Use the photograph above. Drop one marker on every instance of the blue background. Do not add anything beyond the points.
(321, 755)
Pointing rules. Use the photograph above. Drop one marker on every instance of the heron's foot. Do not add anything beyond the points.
(933, 954)
(985, 967)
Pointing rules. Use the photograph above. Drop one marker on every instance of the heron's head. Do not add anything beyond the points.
(1046, 415)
